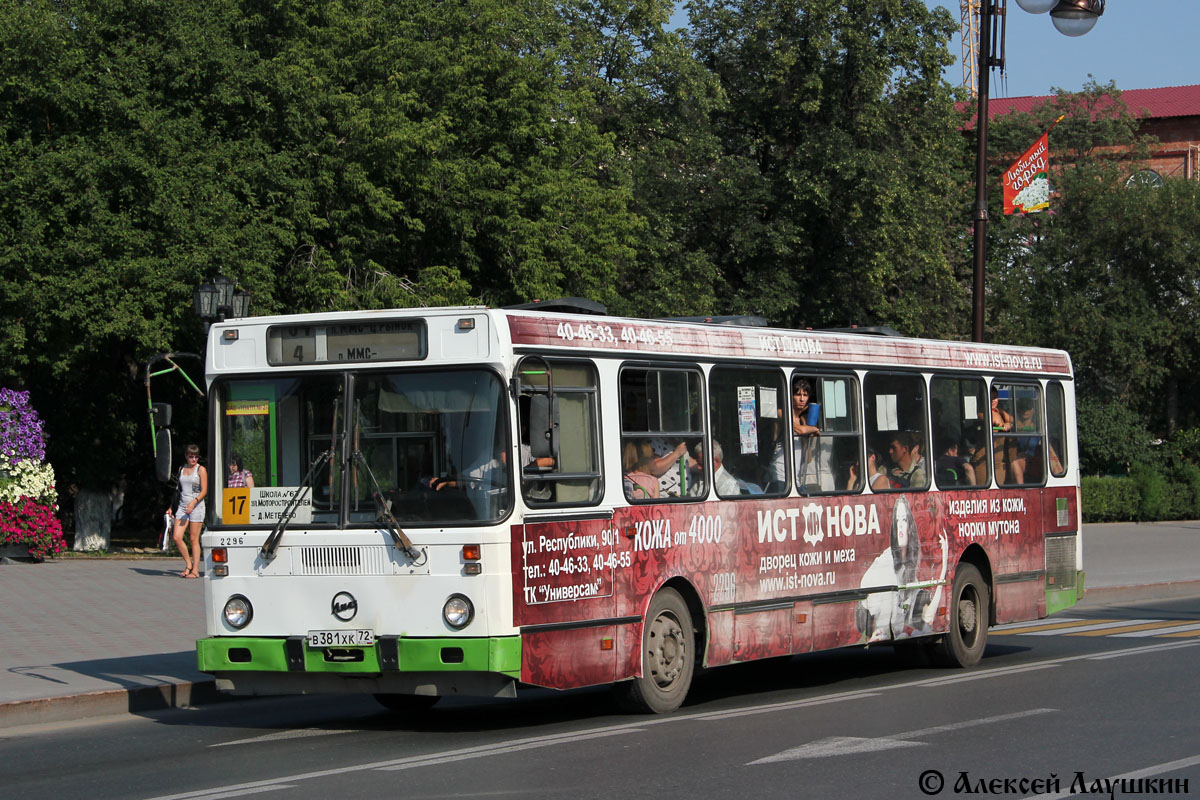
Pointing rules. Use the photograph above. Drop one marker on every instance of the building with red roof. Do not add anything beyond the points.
(1170, 114)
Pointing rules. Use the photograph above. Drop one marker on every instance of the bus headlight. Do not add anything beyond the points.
(238, 612)
(458, 611)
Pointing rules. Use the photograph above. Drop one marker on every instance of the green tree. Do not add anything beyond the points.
(842, 186)
(322, 155)
(656, 103)
(117, 195)
(1112, 274)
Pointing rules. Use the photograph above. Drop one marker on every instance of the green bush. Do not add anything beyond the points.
(1111, 437)
(1184, 491)
(1187, 443)
(1109, 499)
(1144, 495)
(1152, 492)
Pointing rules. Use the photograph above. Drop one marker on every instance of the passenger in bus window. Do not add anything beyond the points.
(1027, 446)
(974, 448)
(911, 609)
(727, 485)
(908, 467)
(639, 484)
(670, 464)
(951, 468)
(1010, 465)
(239, 477)
(879, 478)
(1002, 421)
(805, 416)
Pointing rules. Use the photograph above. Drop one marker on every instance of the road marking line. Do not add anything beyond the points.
(989, 673)
(1051, 626)
(1099, 625)
(846, 745)
(514, 748)
(1157, 769)
(1133, 651)
(1162, 623)
(299, 733)
(259, 790)
(1190, 626)
(1016, 626)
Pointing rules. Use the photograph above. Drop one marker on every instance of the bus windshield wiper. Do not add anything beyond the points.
(389, 521)
(268, 549)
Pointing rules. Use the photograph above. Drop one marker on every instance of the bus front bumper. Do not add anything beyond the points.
(287, 665)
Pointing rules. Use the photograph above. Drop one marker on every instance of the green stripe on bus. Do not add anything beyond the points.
(244, 654)
(1058, 599)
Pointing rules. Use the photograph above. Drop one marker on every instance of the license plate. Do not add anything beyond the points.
(359, 638)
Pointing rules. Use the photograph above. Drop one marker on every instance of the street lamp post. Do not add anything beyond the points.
(1071, 18)
(218, 300)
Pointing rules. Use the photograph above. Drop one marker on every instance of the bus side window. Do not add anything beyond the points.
(827, 460)
(558, 415)
(1056, 429)
(1018, 437)
(896, 427)
(960, 452)
(662, 434)
(748, 435)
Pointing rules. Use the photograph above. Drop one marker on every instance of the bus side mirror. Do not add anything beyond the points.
(162, 458)
(160, 415)
(543, 430)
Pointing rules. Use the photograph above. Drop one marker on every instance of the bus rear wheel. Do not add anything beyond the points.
(407, 703)
(963, 643)
(668, 658)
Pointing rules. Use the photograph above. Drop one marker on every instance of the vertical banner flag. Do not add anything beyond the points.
(1027, 181)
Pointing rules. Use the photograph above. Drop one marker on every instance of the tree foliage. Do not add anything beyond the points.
(842, 179)
(1112, 274)
(798, 159)
(323, 155)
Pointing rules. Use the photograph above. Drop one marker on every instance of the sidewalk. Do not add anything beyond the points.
(87, 637)
(84, 637)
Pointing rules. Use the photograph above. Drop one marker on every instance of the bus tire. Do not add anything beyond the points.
(407, 703)
(668, 658)
(963, 643)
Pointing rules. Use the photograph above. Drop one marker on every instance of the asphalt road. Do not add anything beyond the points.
(1103, 691)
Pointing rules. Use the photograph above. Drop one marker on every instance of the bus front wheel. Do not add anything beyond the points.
(668, 658)
(963, 643)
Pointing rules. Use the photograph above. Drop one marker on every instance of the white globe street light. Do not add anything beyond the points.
(1037, 6)
(1075, 17)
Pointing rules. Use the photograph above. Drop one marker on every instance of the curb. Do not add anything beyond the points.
(108, 702)
(1104, 595)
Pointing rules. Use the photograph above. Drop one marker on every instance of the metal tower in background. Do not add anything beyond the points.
(972, 29)
(970, 44)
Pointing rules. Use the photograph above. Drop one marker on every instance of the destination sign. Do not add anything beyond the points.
(380, 340)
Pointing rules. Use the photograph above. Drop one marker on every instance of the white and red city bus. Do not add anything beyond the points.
(462, 501)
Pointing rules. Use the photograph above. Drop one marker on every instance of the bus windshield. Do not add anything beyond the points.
(432, 446)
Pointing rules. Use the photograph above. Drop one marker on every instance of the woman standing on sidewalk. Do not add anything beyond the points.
(193, 488)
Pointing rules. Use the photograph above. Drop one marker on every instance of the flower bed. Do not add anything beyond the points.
(28, 499)
(32, 525)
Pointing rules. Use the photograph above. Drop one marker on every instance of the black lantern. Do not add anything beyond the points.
(220, 299)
